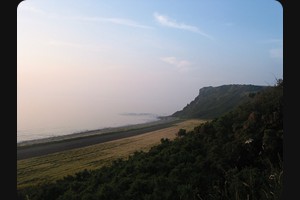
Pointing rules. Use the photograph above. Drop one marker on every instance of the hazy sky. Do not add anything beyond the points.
(96, 56)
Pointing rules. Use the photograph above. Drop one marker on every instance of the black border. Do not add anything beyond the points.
(291, 103)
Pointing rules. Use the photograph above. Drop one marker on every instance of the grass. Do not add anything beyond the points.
(54, 166)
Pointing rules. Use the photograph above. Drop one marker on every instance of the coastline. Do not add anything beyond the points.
(87, 133)
(39, 147)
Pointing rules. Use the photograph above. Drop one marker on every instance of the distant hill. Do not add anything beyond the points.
(213, 102)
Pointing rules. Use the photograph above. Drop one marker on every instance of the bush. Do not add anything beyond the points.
(181, 132)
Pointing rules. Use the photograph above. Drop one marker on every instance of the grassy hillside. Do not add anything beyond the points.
(51, 167)
(236, 156)
(214, 101)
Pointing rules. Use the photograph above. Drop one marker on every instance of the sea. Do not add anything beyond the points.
(77, 126)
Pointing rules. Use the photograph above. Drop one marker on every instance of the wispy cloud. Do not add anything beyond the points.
(168, 22)
(275, 46)
(119, 21)
(272, 41)
(179, 64)
(74, 45)
(276, 53)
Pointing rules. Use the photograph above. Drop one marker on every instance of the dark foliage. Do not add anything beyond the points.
(236, 156)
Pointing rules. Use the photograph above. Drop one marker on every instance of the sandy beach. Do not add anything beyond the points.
(46, 146)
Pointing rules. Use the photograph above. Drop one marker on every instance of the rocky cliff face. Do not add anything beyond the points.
(215, 101)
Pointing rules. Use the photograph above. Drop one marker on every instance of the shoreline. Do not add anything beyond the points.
(87, 133)
(39, 147)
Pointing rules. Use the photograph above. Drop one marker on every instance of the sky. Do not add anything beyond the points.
(85, 57)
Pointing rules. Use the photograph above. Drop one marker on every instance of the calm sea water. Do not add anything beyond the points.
(83, 124)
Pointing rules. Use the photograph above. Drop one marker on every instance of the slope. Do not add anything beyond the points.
(215, 101)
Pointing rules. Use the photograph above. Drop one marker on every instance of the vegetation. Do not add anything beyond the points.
(213, 102)
(49, 168)
(235, 156)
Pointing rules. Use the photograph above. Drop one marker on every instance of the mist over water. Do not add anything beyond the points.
(56, 108)
(57, 103)
(76, 125)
